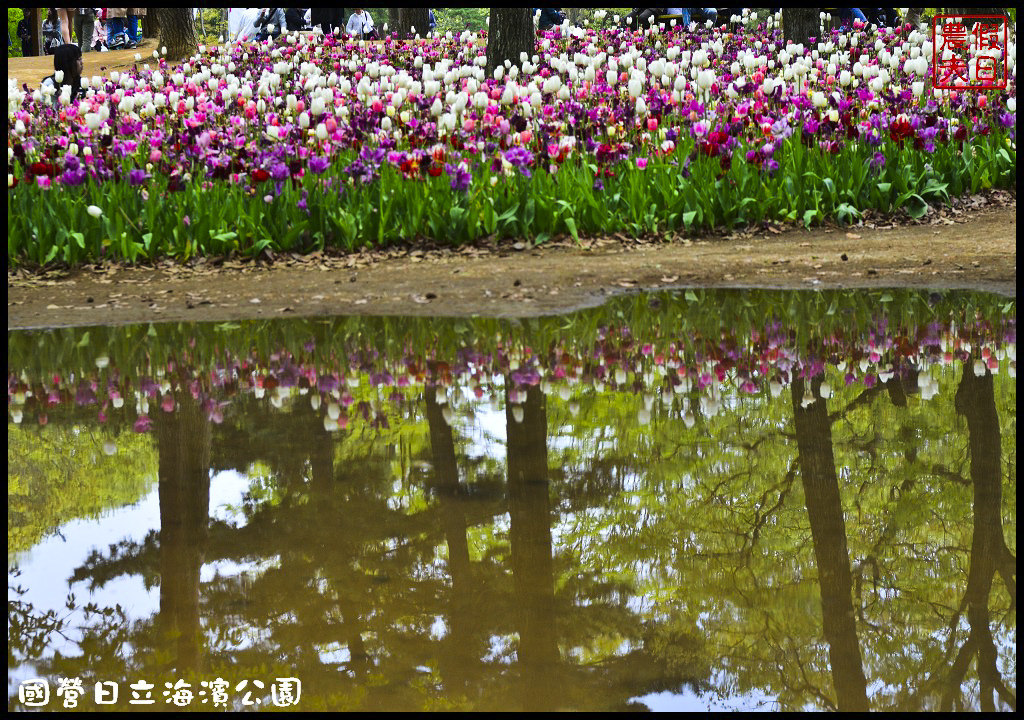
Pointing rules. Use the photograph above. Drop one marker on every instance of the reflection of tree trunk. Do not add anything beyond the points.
(975, 399)
(183, 439)
(828, 532)
(462, 651)
(530, 537)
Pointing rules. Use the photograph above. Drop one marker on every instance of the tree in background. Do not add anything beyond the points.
(408, 22)
(177, 31)
(799, 24)
(509, 34)
(456, 20)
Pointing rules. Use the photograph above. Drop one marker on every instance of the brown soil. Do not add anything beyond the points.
(975, 250)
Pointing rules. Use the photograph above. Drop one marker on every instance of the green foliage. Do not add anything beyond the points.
(457, 19)
(14, 16)
(242, 219)
(57, 474)
(215, 23)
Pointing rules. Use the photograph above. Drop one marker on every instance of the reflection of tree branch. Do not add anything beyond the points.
(948, 474)
(975, 400)
(957, 673)
(863, 399)
(759, 518)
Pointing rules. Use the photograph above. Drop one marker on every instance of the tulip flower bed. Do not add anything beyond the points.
(704, 346)
(319, 143)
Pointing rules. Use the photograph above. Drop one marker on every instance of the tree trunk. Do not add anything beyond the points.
(800, 24)
(151, 26)
(509, 33)
(575, 16)
(831, 555)
(177, 32)
(36, 21)
(406, 19)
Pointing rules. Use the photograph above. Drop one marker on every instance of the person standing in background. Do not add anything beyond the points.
(84, 22)
(51, 32)
(66, 17)
(133, 24)
(28, 48)
(328, 19)
(360, 25)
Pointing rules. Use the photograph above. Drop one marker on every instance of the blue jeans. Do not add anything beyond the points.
(848, 15)
(133, 32)
(699, 14)
(115, 26)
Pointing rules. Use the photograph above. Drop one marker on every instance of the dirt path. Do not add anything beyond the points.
(32, 70)
(976, 250)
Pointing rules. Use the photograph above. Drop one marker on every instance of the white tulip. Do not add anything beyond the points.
(94, 211)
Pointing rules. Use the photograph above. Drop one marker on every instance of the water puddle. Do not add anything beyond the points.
(703, 500)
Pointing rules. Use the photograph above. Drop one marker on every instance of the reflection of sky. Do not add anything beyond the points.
(690, 701)
(47, 568)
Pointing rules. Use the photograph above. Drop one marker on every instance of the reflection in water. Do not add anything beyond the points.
(828, 533)
(572, 513)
